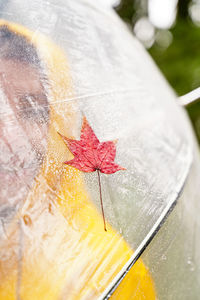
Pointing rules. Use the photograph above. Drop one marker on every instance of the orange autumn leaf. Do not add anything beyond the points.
(92, 155)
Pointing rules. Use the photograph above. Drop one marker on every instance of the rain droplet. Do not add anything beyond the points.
(163, 257)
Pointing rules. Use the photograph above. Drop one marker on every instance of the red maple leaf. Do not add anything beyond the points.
(90, 155)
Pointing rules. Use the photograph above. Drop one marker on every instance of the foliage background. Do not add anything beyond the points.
(179, 58)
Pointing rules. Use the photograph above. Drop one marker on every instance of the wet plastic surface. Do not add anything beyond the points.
(73, 60)
(173, 256)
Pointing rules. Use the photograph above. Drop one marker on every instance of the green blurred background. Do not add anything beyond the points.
(170, 30)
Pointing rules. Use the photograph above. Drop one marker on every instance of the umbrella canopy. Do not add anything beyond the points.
(62, 63)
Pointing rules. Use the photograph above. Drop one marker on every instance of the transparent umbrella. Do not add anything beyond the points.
(60, 63)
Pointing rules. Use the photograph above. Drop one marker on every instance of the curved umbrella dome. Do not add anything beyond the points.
(106, 75)
(58, 229)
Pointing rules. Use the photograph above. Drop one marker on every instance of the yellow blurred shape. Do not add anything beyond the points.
(66, 254)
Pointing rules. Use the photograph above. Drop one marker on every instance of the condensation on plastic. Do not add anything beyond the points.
(82, 61)
(173, 256)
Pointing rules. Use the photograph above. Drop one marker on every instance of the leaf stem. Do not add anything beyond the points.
(20, 258)
(99, 180)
